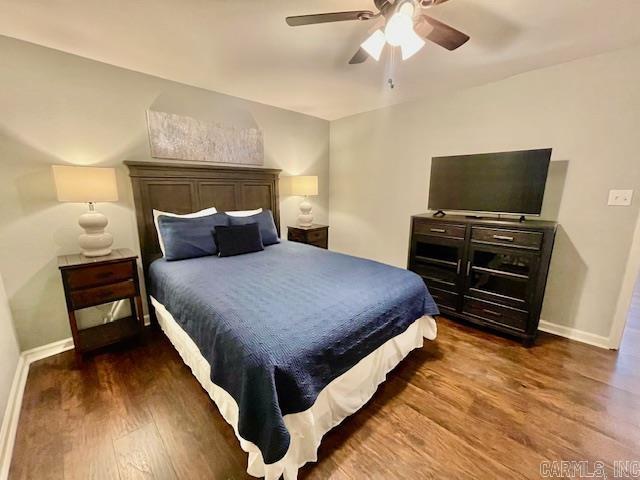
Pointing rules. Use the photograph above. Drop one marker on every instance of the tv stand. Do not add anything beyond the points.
(439, 214)
(487, 272)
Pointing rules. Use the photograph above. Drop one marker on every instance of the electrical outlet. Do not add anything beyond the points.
(621, 198)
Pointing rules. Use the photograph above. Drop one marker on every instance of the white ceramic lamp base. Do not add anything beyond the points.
(305, 219)
(94, 242)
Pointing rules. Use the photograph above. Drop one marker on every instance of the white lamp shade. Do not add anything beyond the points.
(304, 185)
(85, 184)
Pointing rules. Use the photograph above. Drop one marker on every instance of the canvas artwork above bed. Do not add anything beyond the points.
(179, 137)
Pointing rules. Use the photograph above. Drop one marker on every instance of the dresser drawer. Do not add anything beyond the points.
(512, 238)
(316, 235)
(497, 314)
(439, 229)
(103, 294)
(444, 299)
(99, 275)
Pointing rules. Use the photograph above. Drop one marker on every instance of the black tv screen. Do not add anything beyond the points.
(507, 182)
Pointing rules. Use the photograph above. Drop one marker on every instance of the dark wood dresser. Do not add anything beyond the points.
(317, 235)
(488, 272)
(94, 281)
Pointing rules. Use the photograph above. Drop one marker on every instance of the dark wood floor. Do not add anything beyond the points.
(470, 405)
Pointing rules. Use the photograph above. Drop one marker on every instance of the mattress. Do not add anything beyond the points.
(342, 397)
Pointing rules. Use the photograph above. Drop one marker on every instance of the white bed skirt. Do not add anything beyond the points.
(342, 397)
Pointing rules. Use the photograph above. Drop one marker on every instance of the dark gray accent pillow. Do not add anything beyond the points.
(265, 221)
(238, 239)
(189, 237)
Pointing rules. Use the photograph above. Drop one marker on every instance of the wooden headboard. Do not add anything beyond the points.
(186, 188)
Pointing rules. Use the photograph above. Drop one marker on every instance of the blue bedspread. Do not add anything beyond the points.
(277, 326)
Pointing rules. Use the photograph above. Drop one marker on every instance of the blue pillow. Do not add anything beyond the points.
(238, 239)
(265, 221)
(190, 237)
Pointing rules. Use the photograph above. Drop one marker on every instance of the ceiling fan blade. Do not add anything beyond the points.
(329, 17)
(361, 56)
(440, 33)
(431, 3)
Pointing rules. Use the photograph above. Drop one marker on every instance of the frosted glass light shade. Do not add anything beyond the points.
(374, 44)
(399, 25)
(304, 185)
(85, 184)
(411, 45)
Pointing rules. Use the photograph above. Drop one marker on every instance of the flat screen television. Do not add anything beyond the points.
(506, 182)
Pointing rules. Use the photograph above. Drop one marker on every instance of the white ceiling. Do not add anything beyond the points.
(244, 48)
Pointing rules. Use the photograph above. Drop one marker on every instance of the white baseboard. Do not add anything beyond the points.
(48, 350)
(574, 334)
(11, 417)
(14, 402)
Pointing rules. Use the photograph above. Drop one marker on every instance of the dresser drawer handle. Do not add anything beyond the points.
(435, 297)
(492, 312)
(438, 230)
(503, 237)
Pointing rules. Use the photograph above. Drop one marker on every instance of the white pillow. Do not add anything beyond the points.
(244, 213)
(157, 213)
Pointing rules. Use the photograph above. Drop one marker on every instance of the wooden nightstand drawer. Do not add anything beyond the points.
(103, 294)
(319, 243)
(99, 275)
(296, 236)
(316, 235)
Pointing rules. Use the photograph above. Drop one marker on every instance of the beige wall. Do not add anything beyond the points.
(9, 352)
(587, 110)
(58, 108)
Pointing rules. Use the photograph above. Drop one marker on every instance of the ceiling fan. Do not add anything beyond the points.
(400, 23)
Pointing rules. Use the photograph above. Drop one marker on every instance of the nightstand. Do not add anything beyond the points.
(93, 281)
(317, 235)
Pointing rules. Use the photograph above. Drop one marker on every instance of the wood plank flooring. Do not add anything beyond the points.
(469, 405)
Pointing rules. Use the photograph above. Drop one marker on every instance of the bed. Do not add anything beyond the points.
(288, 341)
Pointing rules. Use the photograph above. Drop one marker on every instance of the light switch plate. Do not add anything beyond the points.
(620, 198)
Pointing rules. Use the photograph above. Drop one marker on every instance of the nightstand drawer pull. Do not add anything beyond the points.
(492, 312)
(437, 230)
(504, 238)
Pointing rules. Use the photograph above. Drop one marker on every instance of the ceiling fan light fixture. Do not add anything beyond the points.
(400, 25)
(374, 44)
(411, 45)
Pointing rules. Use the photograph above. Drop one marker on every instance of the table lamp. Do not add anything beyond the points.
(304, 185)
(88, 185)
